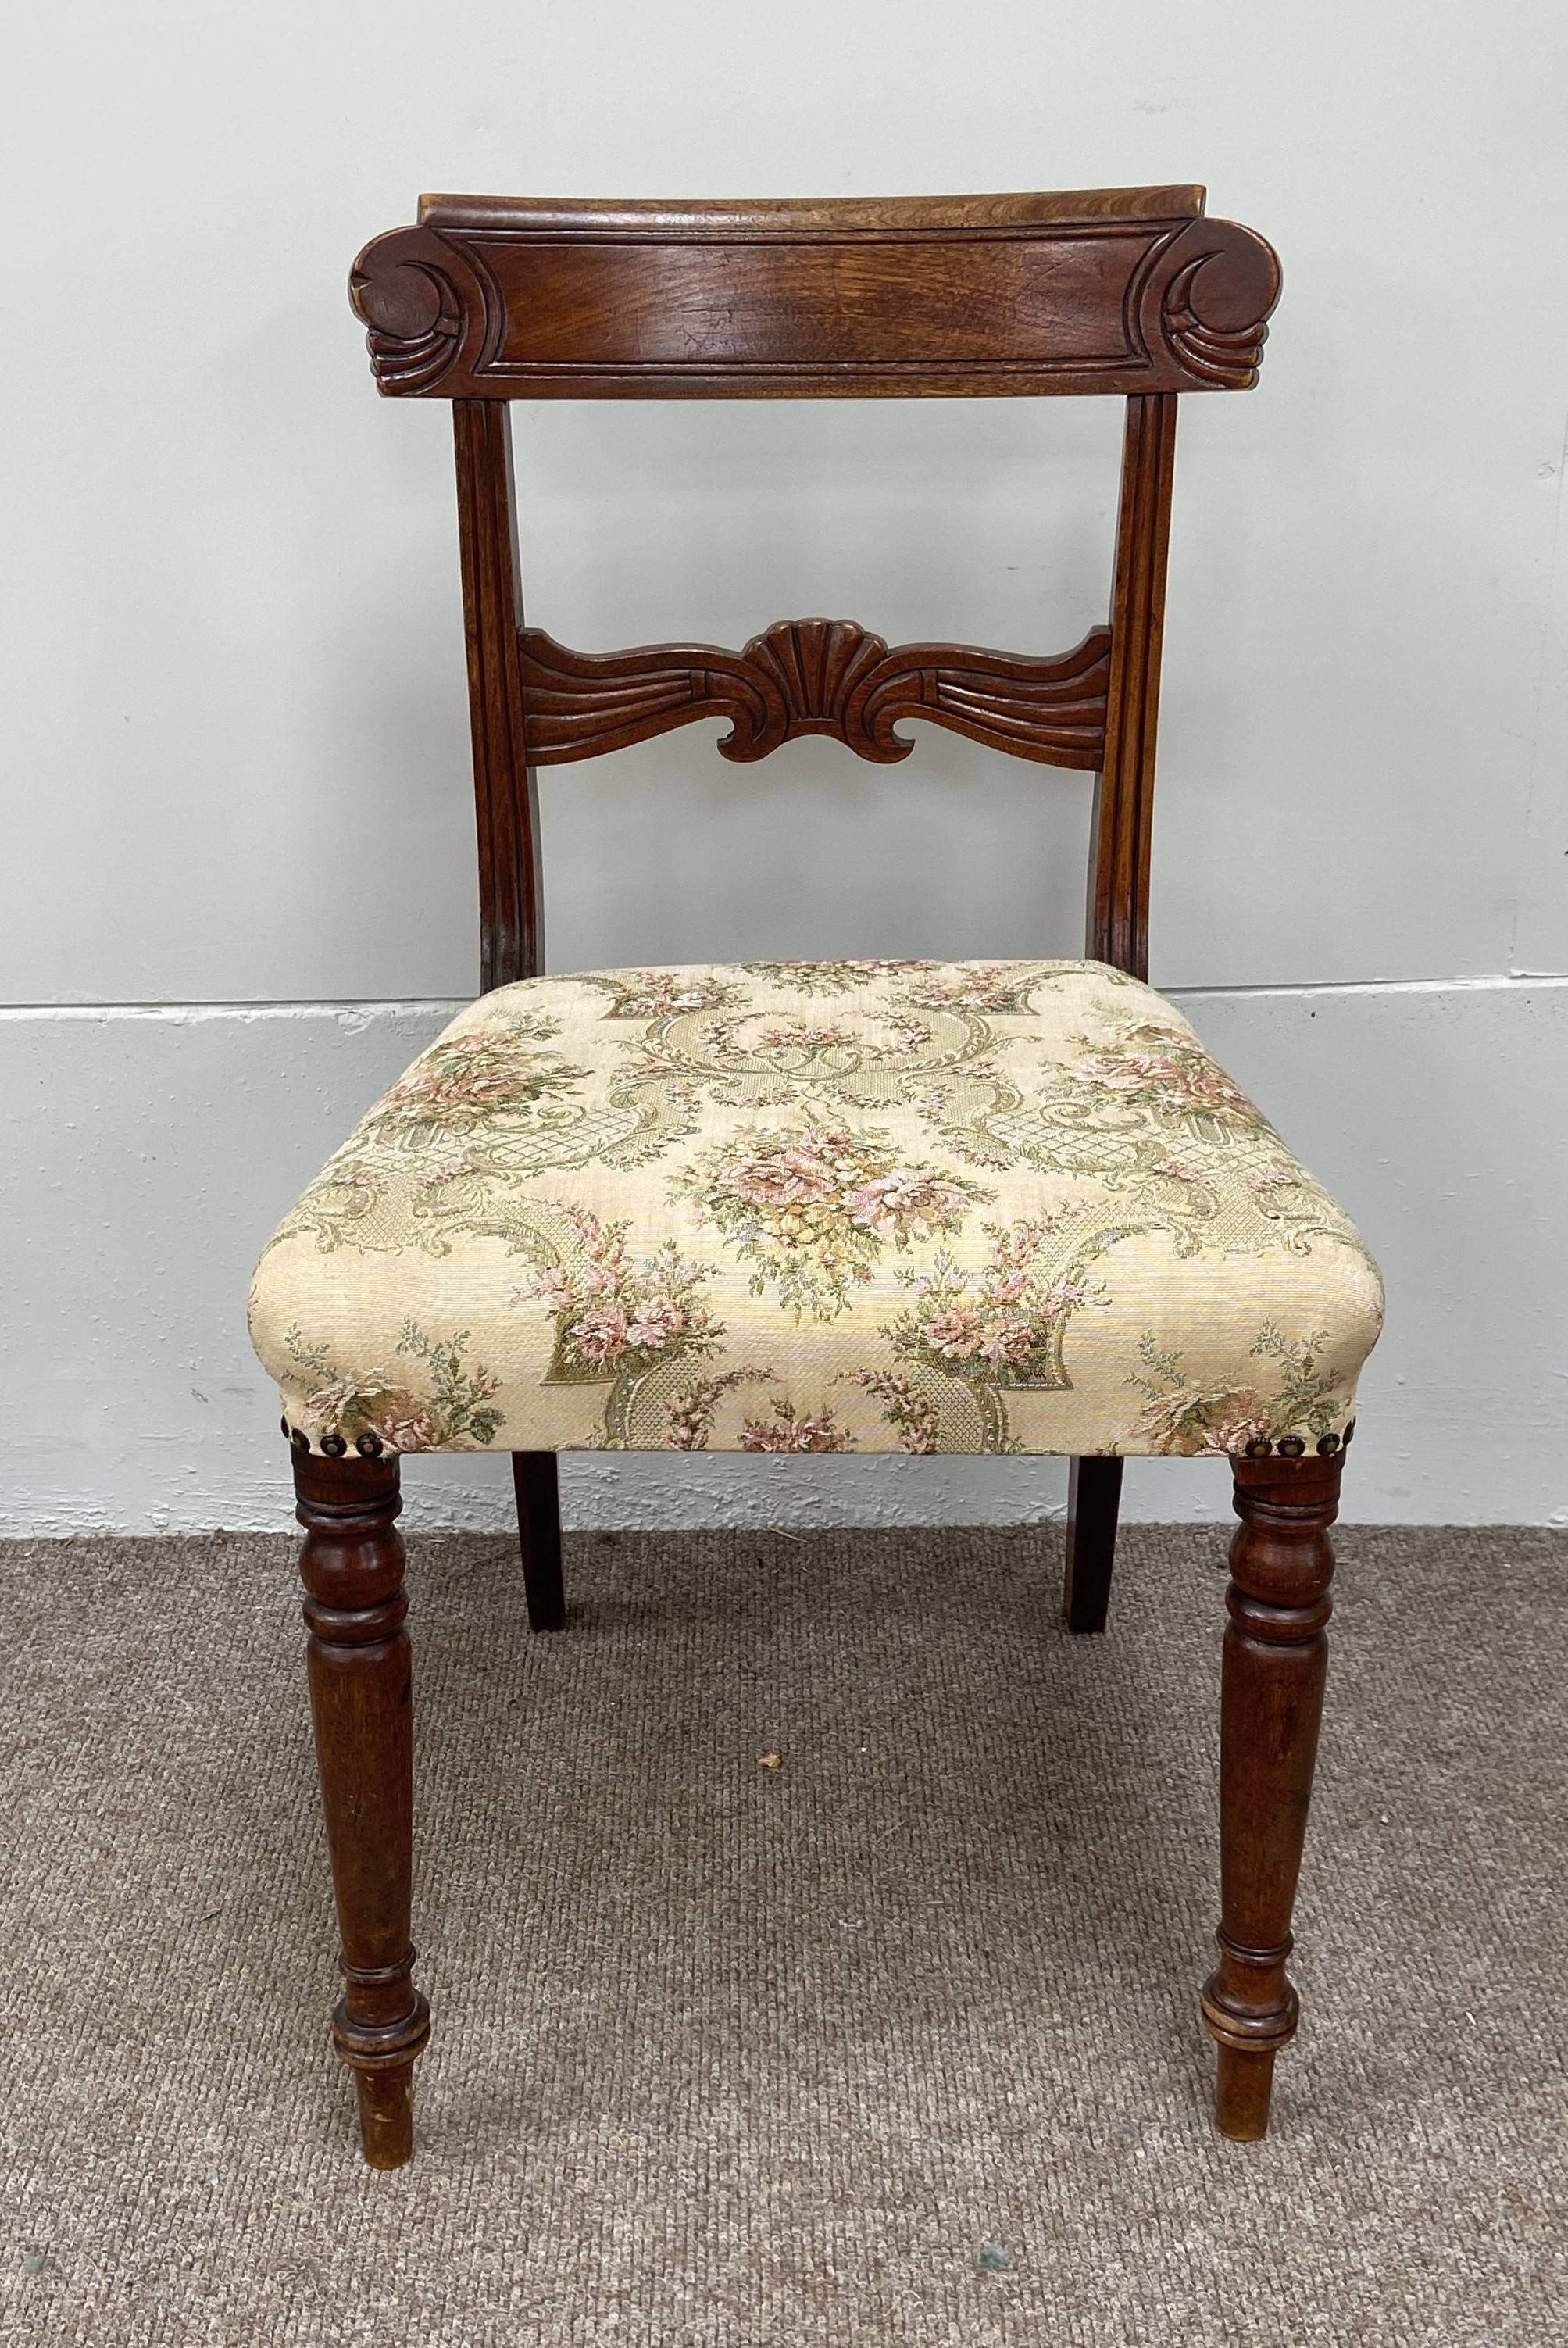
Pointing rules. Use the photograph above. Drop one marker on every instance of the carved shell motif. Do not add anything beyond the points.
(816, 665)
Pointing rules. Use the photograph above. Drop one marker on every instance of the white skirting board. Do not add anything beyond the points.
(149, 1151)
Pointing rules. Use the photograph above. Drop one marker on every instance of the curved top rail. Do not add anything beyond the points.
(1124, 290)
(811, 215)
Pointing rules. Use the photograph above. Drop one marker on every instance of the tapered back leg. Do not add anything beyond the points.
(1094, 1498)
(536, 1477)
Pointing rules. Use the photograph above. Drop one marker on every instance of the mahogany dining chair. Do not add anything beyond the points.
(993, 1207)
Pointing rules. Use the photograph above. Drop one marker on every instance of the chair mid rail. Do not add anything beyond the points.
(816, 676)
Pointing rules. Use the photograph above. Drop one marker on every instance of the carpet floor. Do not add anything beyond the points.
(896, 2042)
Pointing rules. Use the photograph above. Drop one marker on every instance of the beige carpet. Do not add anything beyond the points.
(895, 2042)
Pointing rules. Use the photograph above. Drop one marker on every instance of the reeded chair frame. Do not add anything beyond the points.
(1130, 291)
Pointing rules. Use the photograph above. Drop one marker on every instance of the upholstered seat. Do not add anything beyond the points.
(876, 1206)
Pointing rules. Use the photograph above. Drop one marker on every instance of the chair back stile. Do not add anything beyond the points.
(1126, 290)
(1118, 924)
(506, 795)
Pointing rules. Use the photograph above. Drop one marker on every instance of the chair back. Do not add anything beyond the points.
(1129, 291)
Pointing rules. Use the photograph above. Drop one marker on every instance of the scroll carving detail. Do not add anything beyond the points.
(816, 676)
(1217, 285)
(422, 306)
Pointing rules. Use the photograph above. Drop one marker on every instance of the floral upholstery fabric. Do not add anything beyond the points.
(876, 1206)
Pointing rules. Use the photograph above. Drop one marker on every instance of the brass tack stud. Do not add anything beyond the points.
(333, 1445)
(1349, 1431)
(1259, 1448)
(367, 1446)
(300, 1439)
(1292, 1448)
(1329, 1445)
(284, 1423)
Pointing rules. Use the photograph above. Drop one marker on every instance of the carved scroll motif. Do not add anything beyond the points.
(816, 676)
(423, 306)
(1207, 300)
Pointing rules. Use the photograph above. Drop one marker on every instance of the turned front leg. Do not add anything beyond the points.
(352, 1566)
(1276, 1659)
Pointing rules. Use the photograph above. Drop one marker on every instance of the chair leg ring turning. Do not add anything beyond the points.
(1251, 2009)
(1272, 1681)
(382, 2056)
(360, 1692)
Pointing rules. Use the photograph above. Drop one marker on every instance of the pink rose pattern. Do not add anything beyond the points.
(814, 1198)
(449, 1409)
(688, 1417)
(999, 990)
(813, 1207)
(659, 994)
(915, 1416)
(1179, 1417)
(828, 977)
(1001, 1324)
(1166, 1070)
(466, 1085)
(615, 1314)
(790, 1430)
(809, 1038)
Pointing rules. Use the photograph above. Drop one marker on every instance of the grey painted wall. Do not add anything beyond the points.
(232, 735)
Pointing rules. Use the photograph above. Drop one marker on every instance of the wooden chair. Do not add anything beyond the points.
(1130, 292)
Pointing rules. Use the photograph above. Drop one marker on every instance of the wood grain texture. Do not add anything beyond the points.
(490, 299)
(506, 798)
(351, 1567)
(816, 676)
(1271, 1702)
(772, 216)
(1123, 820)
